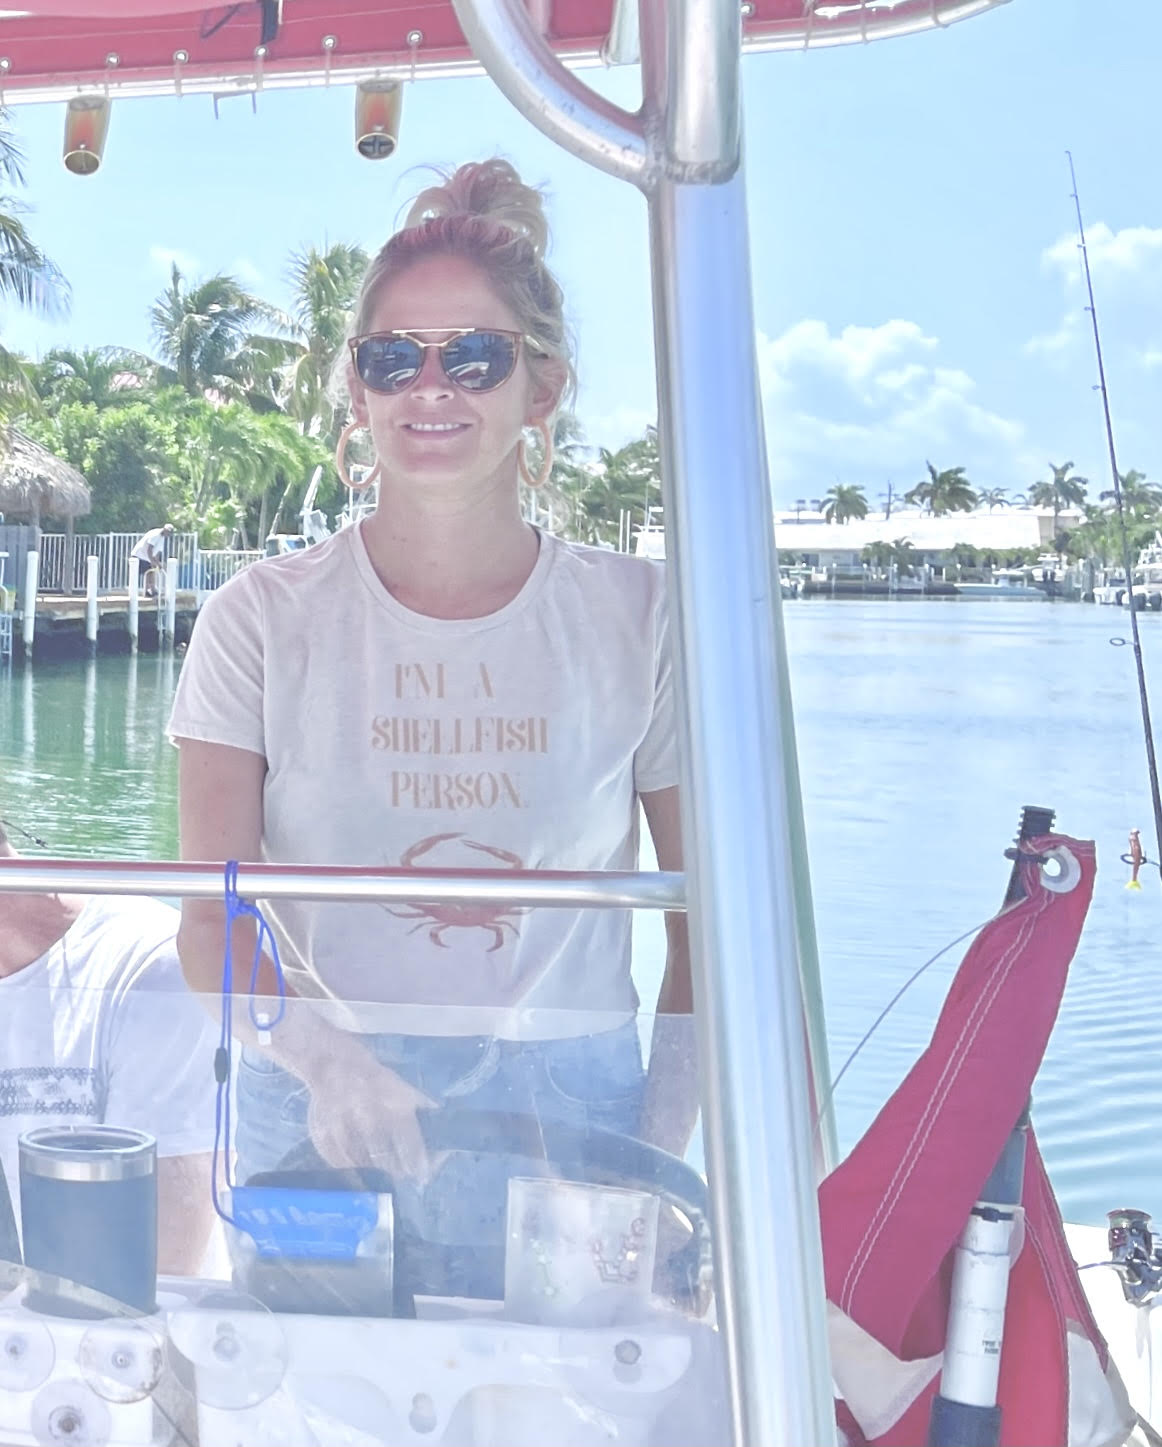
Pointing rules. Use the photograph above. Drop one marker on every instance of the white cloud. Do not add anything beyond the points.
(1152, 357)
(163, 259)
(1053, 345)
(1127, 274)
(868, 403)
(1135, 251)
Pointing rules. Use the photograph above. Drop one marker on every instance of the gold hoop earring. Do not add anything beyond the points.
(546, 466)
(341, 460)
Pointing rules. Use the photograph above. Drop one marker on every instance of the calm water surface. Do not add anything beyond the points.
(923, 729)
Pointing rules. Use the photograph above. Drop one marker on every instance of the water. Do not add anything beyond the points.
(923, 728)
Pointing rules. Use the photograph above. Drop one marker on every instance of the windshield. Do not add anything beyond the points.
(534, 1263)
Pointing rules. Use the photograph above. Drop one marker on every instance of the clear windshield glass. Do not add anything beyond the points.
(462, 1236)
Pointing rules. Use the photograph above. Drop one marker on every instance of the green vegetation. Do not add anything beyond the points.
(221, 431)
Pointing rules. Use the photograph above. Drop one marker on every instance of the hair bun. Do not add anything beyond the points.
(491, 190)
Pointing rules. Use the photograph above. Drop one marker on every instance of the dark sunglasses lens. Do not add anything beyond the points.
(479, 361)
(388, 364)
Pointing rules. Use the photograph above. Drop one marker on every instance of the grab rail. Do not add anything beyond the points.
(545, 888)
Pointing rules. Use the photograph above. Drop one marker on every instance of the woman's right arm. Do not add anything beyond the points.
(220, 816)
(355, 1100)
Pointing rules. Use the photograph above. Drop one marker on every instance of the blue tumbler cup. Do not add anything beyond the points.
(88, 1205)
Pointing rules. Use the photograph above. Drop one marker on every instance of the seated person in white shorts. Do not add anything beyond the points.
(97, 1026)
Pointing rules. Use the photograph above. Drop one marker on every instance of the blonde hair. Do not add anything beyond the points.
(484, 213)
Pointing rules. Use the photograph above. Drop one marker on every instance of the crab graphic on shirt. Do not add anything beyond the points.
(438, 919)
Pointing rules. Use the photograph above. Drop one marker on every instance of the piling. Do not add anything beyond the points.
(92, 616)
(134, 583)
(28, 623)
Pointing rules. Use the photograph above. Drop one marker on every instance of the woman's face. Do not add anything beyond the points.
(478, 432)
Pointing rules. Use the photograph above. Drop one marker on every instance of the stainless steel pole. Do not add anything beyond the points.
(541, 888)
(742, 823)
(741, 867)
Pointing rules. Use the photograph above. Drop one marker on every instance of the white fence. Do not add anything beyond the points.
(64, 560)
(218, 565)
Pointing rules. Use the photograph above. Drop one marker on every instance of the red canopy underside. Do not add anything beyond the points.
(54, 43)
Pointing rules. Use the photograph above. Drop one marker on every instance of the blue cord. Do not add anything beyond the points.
(237, 908)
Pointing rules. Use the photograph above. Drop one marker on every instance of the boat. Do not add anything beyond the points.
(1005, 583)
(1147, 581)
(1111, 592)
(1147, 585)
(739, 1344)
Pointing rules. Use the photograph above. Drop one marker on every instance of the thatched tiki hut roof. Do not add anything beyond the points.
(35, 483)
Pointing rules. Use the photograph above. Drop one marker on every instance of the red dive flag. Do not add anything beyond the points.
(893, 1211)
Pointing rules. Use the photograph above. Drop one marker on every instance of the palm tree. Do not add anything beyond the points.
(843, 502)
(878, 554)
(943, 492)
(992, 497)
(201, 330)
(1137, 492)
(98, 375)
(27, 277)
(1064, 491)
(326, 288)
(229, 457)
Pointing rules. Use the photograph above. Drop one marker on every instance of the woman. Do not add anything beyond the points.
(441, 686)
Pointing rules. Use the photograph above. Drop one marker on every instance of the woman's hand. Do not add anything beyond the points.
(363, 1114)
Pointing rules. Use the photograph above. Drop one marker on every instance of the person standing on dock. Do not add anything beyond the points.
(151, 550)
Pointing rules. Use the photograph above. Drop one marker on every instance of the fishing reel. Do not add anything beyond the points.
(1134, 1256)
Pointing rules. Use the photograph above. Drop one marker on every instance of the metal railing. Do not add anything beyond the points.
(218, 565)
(545, 888)
(64, 562)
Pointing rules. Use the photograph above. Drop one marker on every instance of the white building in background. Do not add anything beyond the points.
(839, 545)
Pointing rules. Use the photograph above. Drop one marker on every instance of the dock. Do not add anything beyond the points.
(60, 623)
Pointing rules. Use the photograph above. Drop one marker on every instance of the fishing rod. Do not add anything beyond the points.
(1127, 560)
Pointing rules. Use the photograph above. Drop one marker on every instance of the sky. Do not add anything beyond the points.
(917, 283)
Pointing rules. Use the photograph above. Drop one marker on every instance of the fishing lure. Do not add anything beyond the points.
(1135, 859)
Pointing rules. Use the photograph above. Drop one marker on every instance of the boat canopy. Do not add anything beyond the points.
(51, 49)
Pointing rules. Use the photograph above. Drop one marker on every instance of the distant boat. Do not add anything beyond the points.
(1005, 583)
(1147, 581)
(1148, 576)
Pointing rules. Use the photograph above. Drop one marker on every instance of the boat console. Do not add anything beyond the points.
(590, 1321)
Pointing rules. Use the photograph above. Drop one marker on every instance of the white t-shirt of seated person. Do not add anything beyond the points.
(520, 740)
(102, 1029)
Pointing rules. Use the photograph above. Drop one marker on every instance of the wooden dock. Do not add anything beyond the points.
(60, 624)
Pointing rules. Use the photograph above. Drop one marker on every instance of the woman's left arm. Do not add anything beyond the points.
(671, 1101)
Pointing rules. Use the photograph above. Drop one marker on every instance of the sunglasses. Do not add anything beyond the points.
(475, 359)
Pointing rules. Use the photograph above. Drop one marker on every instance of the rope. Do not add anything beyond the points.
(237, 908)
(889, 1007)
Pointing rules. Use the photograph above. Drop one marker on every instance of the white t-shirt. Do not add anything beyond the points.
(102, 1028)
(520, 739)
(151, 546)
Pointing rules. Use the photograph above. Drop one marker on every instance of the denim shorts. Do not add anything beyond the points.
(594, 1080)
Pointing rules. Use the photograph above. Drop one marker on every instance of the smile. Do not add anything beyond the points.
(434, 426)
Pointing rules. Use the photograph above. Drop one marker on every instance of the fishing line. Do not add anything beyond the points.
(886, 1011)
(1127, 561)
(19, 829)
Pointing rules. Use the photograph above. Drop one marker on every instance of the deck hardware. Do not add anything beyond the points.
(1134, 1255)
